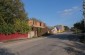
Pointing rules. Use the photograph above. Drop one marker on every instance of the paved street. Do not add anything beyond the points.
(59, 44)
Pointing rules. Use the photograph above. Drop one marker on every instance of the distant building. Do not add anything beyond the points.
(58, 29)
(54, 30)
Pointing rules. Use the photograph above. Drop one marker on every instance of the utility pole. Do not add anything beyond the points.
(84, 11)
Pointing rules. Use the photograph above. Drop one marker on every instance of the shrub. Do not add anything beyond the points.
(21, 26)
(7, 29)
(39, 30)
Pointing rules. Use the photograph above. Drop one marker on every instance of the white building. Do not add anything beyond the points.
(54, 30)
(57, 29)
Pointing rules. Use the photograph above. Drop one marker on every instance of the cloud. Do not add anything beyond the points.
(75, 7)
(70, 11)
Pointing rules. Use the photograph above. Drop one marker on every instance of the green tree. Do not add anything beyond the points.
(66, 28)
(80, 25)
(10, 12)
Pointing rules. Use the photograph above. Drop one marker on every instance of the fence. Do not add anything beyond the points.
(4, 37)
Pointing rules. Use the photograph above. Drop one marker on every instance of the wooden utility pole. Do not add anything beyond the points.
(84, 11)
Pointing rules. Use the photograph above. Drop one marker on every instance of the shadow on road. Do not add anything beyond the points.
(71, 37)
(4, 51)
(76, 48)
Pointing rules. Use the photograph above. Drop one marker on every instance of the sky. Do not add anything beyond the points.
(54, 12)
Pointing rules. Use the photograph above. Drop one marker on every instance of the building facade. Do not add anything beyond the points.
(54, 30)
(38, 27)
(58, 29)
(35, 23)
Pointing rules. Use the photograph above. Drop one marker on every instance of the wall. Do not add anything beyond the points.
(31, 34)
(36, 24)
(43, 25)
(40, 31)
(4, 37)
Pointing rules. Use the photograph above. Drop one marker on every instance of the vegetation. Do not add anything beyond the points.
(79, 26)
(66, 28)
(13, 17)
(39, 30)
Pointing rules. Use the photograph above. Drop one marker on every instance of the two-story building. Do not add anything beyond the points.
(37, 26)
(36, 23)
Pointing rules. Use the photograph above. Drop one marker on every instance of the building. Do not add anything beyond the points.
(57, 29)
(54, 30)
(60, 28)
(38, 27)
(36, 23)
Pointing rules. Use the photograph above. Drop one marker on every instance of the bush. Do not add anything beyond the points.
(7, 29)
(39, 30)
(19, 26)
(77, 31)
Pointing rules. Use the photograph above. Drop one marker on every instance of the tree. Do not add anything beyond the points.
(66, 28)
(80, 25)
(10, 12)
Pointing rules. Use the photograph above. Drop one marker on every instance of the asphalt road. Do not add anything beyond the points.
(59, 44)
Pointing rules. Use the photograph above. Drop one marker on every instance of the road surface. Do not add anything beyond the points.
(59, 44)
